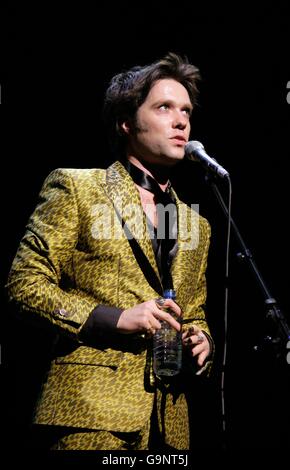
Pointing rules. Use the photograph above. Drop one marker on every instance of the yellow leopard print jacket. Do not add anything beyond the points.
(74, 256)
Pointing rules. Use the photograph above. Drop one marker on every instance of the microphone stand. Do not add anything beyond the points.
(277, 342)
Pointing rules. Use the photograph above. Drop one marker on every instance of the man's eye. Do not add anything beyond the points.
(164, 106)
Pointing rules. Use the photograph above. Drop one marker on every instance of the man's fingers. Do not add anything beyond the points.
(173, 306)
(165, 316)
(197, 349)
(153, 323)
(191, 331)
(201, 358)
(194, 339)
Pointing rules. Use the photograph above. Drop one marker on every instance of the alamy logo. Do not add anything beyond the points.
(127, 220)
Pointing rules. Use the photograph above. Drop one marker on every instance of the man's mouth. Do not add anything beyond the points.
(179, 139)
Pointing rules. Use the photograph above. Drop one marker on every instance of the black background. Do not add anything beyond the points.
(57, 64)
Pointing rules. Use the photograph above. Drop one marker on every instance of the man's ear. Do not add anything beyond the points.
(125, 126)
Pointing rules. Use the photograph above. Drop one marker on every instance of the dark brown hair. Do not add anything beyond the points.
(129, 89)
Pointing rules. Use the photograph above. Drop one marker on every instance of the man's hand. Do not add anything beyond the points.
(146, 317)
(196, 343)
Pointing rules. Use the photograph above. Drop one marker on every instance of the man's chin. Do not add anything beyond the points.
(165, 161)
(172, 159)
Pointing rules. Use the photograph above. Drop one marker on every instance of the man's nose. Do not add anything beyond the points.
(180, 120)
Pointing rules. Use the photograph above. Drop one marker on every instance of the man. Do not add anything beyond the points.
(92, 265)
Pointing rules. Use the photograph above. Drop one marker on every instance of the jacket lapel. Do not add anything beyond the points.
(125, 197)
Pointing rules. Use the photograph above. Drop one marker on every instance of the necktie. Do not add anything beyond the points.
(164, 238)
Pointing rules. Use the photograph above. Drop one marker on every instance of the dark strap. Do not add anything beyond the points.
(142, 260)
(164, 239)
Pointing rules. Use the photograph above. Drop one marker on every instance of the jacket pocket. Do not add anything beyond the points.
(91, 356)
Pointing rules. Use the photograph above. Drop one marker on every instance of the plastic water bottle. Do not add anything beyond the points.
(167, 345)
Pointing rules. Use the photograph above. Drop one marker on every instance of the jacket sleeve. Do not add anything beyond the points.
(35, 279)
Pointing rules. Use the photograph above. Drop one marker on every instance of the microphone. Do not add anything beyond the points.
(194, 151)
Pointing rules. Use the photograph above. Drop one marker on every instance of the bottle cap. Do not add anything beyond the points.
(169, 294)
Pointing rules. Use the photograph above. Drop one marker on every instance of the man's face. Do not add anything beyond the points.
(162, 123)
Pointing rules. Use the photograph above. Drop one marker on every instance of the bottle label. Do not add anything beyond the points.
(167, 348)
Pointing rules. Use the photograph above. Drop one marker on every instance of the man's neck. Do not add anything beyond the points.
(159, 173)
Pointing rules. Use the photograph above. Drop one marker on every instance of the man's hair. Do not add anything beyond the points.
(129, 89)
